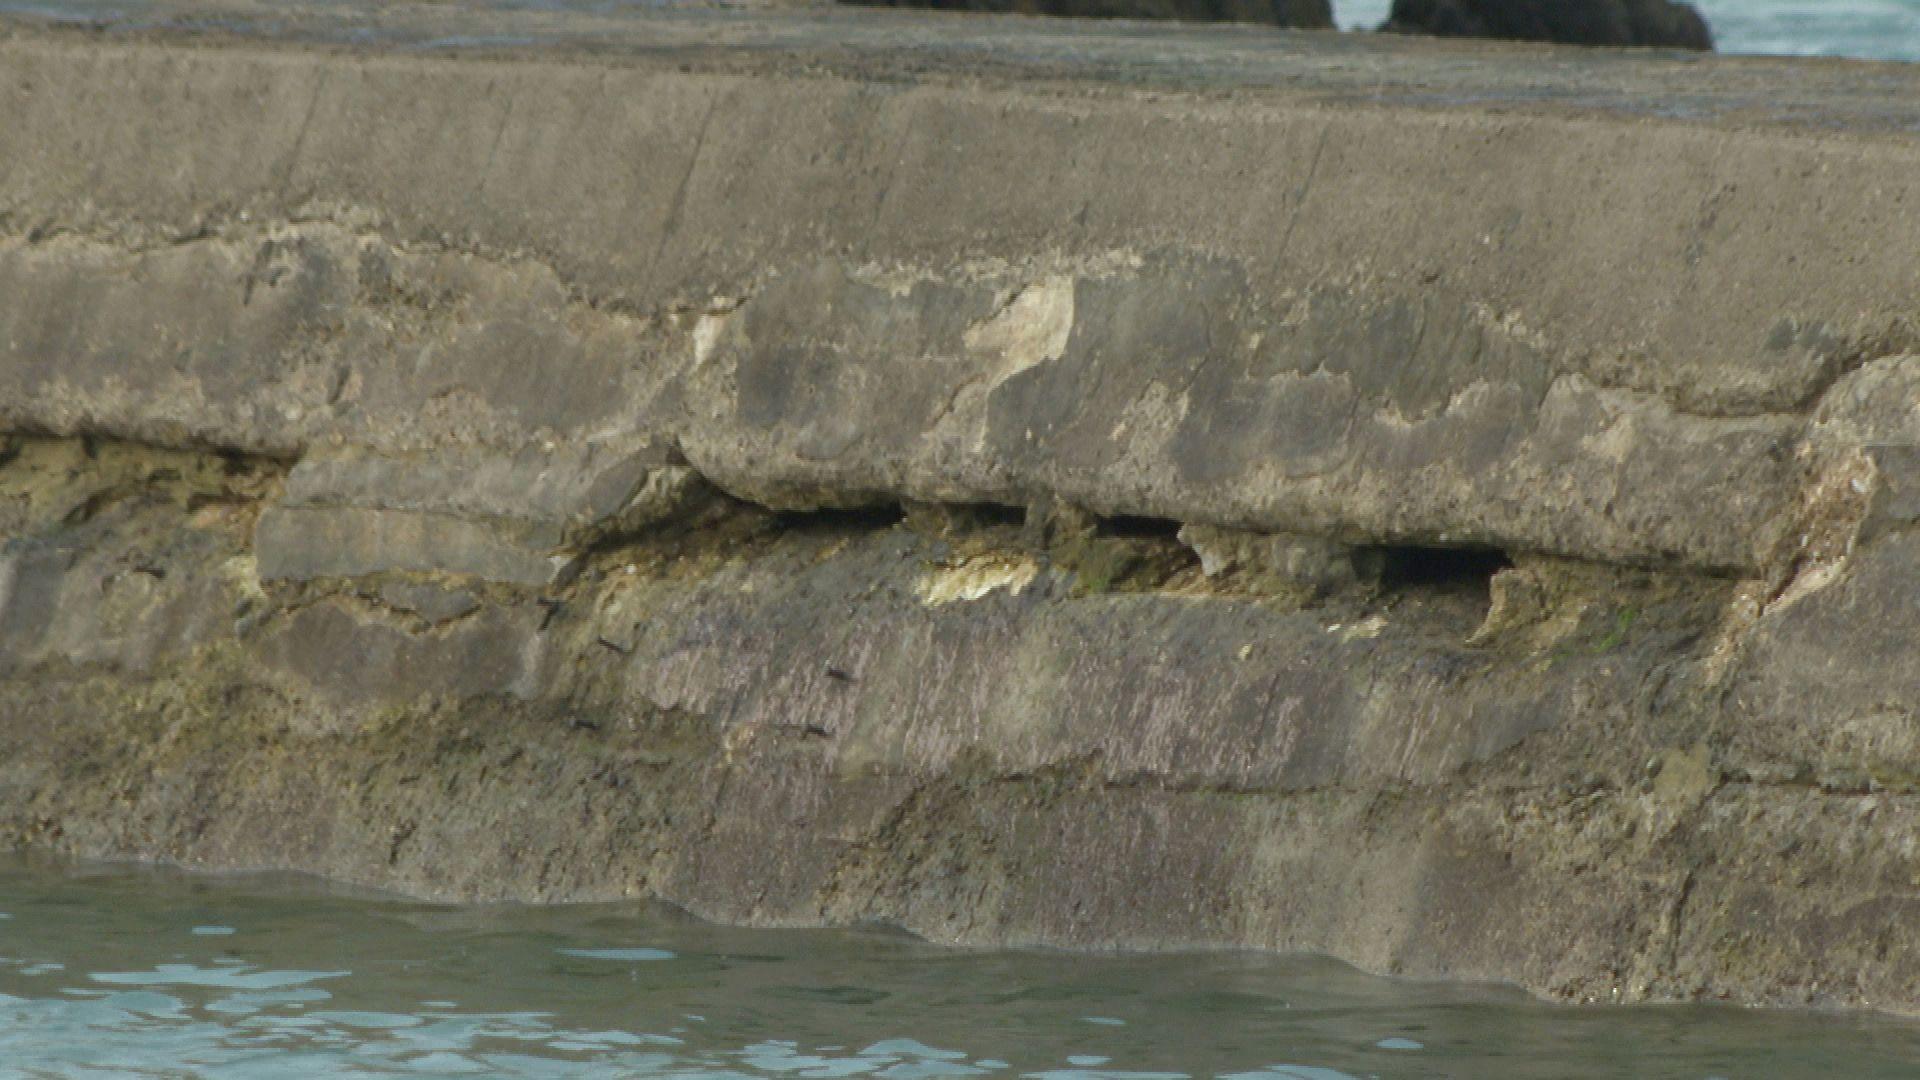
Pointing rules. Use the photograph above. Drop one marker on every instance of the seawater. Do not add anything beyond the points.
(1865, 29)
(1877, 29)
(119, 971)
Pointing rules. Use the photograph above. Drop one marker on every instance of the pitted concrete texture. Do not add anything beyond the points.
(1448, 506)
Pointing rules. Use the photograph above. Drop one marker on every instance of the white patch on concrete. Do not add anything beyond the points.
(1031, 330)
(1364, 630)
(242, 572)
(706, 336)
(974, 577)
(1810, 580)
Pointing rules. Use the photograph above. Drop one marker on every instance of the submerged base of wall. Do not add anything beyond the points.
(985, 725)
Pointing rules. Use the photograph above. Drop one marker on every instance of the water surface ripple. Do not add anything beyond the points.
(127, 972)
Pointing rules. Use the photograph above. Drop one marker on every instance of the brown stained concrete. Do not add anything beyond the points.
(1446, 506)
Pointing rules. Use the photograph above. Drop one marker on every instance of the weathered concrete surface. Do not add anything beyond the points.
(1444, 506)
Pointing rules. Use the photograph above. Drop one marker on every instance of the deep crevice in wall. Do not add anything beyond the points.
(873, 518)
(1414, 566)
(1134, 527)
(961, 520)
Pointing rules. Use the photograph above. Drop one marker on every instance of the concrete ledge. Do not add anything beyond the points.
(1583, 335)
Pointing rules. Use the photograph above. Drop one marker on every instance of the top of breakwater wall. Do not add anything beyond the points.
(824, 38)
(1617, 306)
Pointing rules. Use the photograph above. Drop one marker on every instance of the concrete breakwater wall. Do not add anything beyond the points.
(1221, 488)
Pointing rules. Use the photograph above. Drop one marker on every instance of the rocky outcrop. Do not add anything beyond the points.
(1573, 22)
(1308, 14)
(816, 468)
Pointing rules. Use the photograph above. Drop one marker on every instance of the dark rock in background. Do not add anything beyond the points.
(1571, 22)
(1312, 14)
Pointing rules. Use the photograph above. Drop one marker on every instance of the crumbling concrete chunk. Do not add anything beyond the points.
(355, 660)
(520, 516)
(433, 603)
(1895, 500)
(566, 486)
(303, 543)
(1277, 561)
